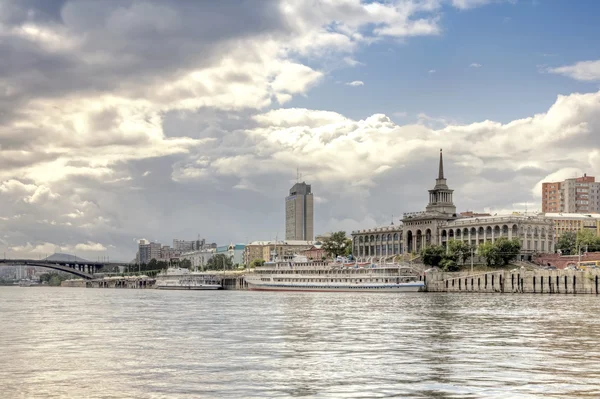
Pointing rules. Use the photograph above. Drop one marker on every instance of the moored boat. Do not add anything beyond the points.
(177, 278)
(300, 274)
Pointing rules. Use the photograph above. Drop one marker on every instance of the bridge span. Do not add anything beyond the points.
(85, 270)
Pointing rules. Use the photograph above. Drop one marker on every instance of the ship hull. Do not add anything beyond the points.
(413, 287)
(188, 288)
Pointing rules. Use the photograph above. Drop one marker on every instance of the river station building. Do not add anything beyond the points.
(439, 223)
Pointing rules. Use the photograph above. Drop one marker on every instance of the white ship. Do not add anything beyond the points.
(299, 274)
(177, 278)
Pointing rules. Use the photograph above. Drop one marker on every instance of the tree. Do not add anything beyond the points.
(257, 263)
(489, 252)
(587, 239)
(449, 265)
(337, 244)
(501, 252)
(185, 263)
(459, 250)
(432, 255)
(507, 250)
(153, 264)
(219, 262)
(567, 243)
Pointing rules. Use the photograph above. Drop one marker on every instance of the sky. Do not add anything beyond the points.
(130, 119)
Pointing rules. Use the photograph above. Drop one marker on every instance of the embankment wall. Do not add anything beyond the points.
(519, 281)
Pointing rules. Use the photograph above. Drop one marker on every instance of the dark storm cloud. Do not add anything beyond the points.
(126, 45)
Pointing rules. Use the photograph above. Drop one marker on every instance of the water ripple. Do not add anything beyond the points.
(93, 343)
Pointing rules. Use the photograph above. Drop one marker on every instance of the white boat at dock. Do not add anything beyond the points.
(177, 278)
(300, 274)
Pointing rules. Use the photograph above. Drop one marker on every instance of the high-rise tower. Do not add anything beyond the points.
(299, 213)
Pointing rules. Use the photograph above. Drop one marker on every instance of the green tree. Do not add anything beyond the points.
(186, 263)
(567, 243)
(433, 255)
(219, 262)
(449, 265)
(54, 279)
(257, 263)
(153, 264)
(489, 252)
(587, 239)
(507, 250)
(337, 244)
(459, 250)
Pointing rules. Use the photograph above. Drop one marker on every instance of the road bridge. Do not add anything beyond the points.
(81, 269)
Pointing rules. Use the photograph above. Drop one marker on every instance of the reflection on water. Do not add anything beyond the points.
(100, 343)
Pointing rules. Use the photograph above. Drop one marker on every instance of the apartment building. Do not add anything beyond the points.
(576, 195)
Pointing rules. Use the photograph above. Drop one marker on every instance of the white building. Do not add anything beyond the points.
(199, 259)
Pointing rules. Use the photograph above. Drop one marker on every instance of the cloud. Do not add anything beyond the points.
(431, 71)
(90, 246)
(355, 83)
(475, 65)
(468, 4)
(584, 71)
(169, 119)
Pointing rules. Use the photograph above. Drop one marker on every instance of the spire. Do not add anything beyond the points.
(441, 172)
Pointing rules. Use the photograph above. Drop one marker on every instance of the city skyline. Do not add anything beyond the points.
(153, 120)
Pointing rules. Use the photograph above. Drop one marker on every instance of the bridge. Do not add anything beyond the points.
(81, 269)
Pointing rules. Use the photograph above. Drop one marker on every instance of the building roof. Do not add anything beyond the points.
(573, 216)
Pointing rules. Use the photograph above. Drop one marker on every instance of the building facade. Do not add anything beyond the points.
(148, 251)
(574, 222)
(299, 218)
(271, 250)
(439, 223)
(577, 195)
(235, 252)
(199, 259)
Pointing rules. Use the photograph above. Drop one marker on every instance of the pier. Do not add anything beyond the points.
(516, 281)
(232, 280)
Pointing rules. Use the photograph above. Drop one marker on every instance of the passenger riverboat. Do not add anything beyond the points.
(300, 274)
(178, 278)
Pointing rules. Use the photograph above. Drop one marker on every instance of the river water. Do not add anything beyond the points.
(107, 343)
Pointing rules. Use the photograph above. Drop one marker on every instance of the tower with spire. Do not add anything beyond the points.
(440, 198)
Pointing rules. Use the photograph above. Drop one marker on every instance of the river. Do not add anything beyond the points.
(107, 343)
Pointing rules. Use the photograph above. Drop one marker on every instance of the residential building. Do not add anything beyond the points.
(148, 251)
(574, 222)
(314, 253)
(576, 195)
(271, 250)
(299, 218)
(439, 224)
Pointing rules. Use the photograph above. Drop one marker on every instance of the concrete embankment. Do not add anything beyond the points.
(518, 281)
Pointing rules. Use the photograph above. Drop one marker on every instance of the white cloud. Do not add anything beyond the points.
(90, 246)
(79, 142)
(584, 70)
(475, 65)
(355, 83)
(468, 4)
(352, 62)
(41, 250)
(431, 71)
